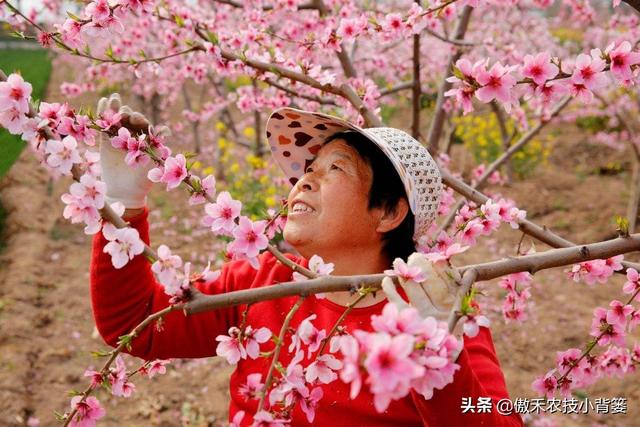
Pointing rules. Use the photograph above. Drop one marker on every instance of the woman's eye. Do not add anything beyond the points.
(334, 166)
(308, 170)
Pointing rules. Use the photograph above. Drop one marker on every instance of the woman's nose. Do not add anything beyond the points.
(307, 182)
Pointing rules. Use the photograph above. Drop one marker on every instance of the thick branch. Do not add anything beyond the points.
(318, 99)
(437, 122)
(416, 90)
(400, 87)
(485, 271)
(526, 226)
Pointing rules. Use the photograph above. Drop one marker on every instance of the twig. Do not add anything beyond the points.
(276, 354)
(116, 351)
(503, 158)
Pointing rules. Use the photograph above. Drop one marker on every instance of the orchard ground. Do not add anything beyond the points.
(47, 330)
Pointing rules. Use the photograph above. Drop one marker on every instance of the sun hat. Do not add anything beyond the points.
(296, 136)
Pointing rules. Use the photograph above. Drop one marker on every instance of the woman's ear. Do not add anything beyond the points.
(392, 218)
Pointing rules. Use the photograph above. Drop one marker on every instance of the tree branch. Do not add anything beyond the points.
(503, 158)
(526, 226)
(485, 271)
(437, 122)
(416, 91)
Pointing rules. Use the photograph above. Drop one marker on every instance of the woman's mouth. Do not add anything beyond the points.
(300, 208)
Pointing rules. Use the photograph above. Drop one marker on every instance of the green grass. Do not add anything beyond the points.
(35, 67)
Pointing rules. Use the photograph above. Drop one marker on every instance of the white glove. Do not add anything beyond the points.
(434, 297)
(125, 184)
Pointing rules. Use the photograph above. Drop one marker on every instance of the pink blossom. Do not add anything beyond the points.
(63, 154)
(252, 388)
(471, 231)
(98, 11)
(472, 324)
(318, 266)
(53, 113)
(237, 419)
(96, 377)
(546, 386)
(253, 339)
(496, 83)
(124, 244)
(618, 313)
(395, 321)
(608, 333)
(351, 370)
(390, 368)
(166, 265)
(516, 215)
(157, 367)
(120, 385)
(632, 285)
(70, 33)
(249, 237)
(13, 120)
(174, 172)
(77, 211)
(15, 92)
(109, 119)
(539, 68)
(266, 419)
(406, 273)
(323, 369)
(588, 71)
(309, 335)
(207, 190)
(78, 127)
(442, 257)
(310, 403)
(622, 58)
(88, 412)
(230, 347)
(568, 360)
(222, 214)
(89, 191)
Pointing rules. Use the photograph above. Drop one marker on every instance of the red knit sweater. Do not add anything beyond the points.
(123, 298)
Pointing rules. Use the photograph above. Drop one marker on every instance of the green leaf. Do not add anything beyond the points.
(126, 341)
(74, 17)
(622, 224)
(100, 353)
(109, 52)
(179, 21)
(212, 37)
(142, 53)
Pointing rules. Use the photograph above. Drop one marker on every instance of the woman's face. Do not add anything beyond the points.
(328, 206)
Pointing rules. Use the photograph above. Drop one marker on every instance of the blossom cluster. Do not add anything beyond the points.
(610, 327)
(541, 76)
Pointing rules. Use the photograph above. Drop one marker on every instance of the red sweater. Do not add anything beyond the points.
(123, 298)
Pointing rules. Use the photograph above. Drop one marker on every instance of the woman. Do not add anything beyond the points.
(360, 198)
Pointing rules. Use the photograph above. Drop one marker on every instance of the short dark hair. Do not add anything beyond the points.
(386, 191)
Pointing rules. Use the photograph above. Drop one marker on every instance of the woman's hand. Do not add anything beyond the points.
(434, 296)
(126, 184)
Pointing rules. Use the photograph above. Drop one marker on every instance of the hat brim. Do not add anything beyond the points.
(296, 136)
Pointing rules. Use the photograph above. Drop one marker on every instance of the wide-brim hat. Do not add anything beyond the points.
(296, 136)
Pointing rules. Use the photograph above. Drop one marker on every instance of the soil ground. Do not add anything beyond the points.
(47, 330)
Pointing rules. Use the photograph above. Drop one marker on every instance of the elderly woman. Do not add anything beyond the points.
(360, 199)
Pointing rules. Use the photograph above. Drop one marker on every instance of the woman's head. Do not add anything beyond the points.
(350, 196)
